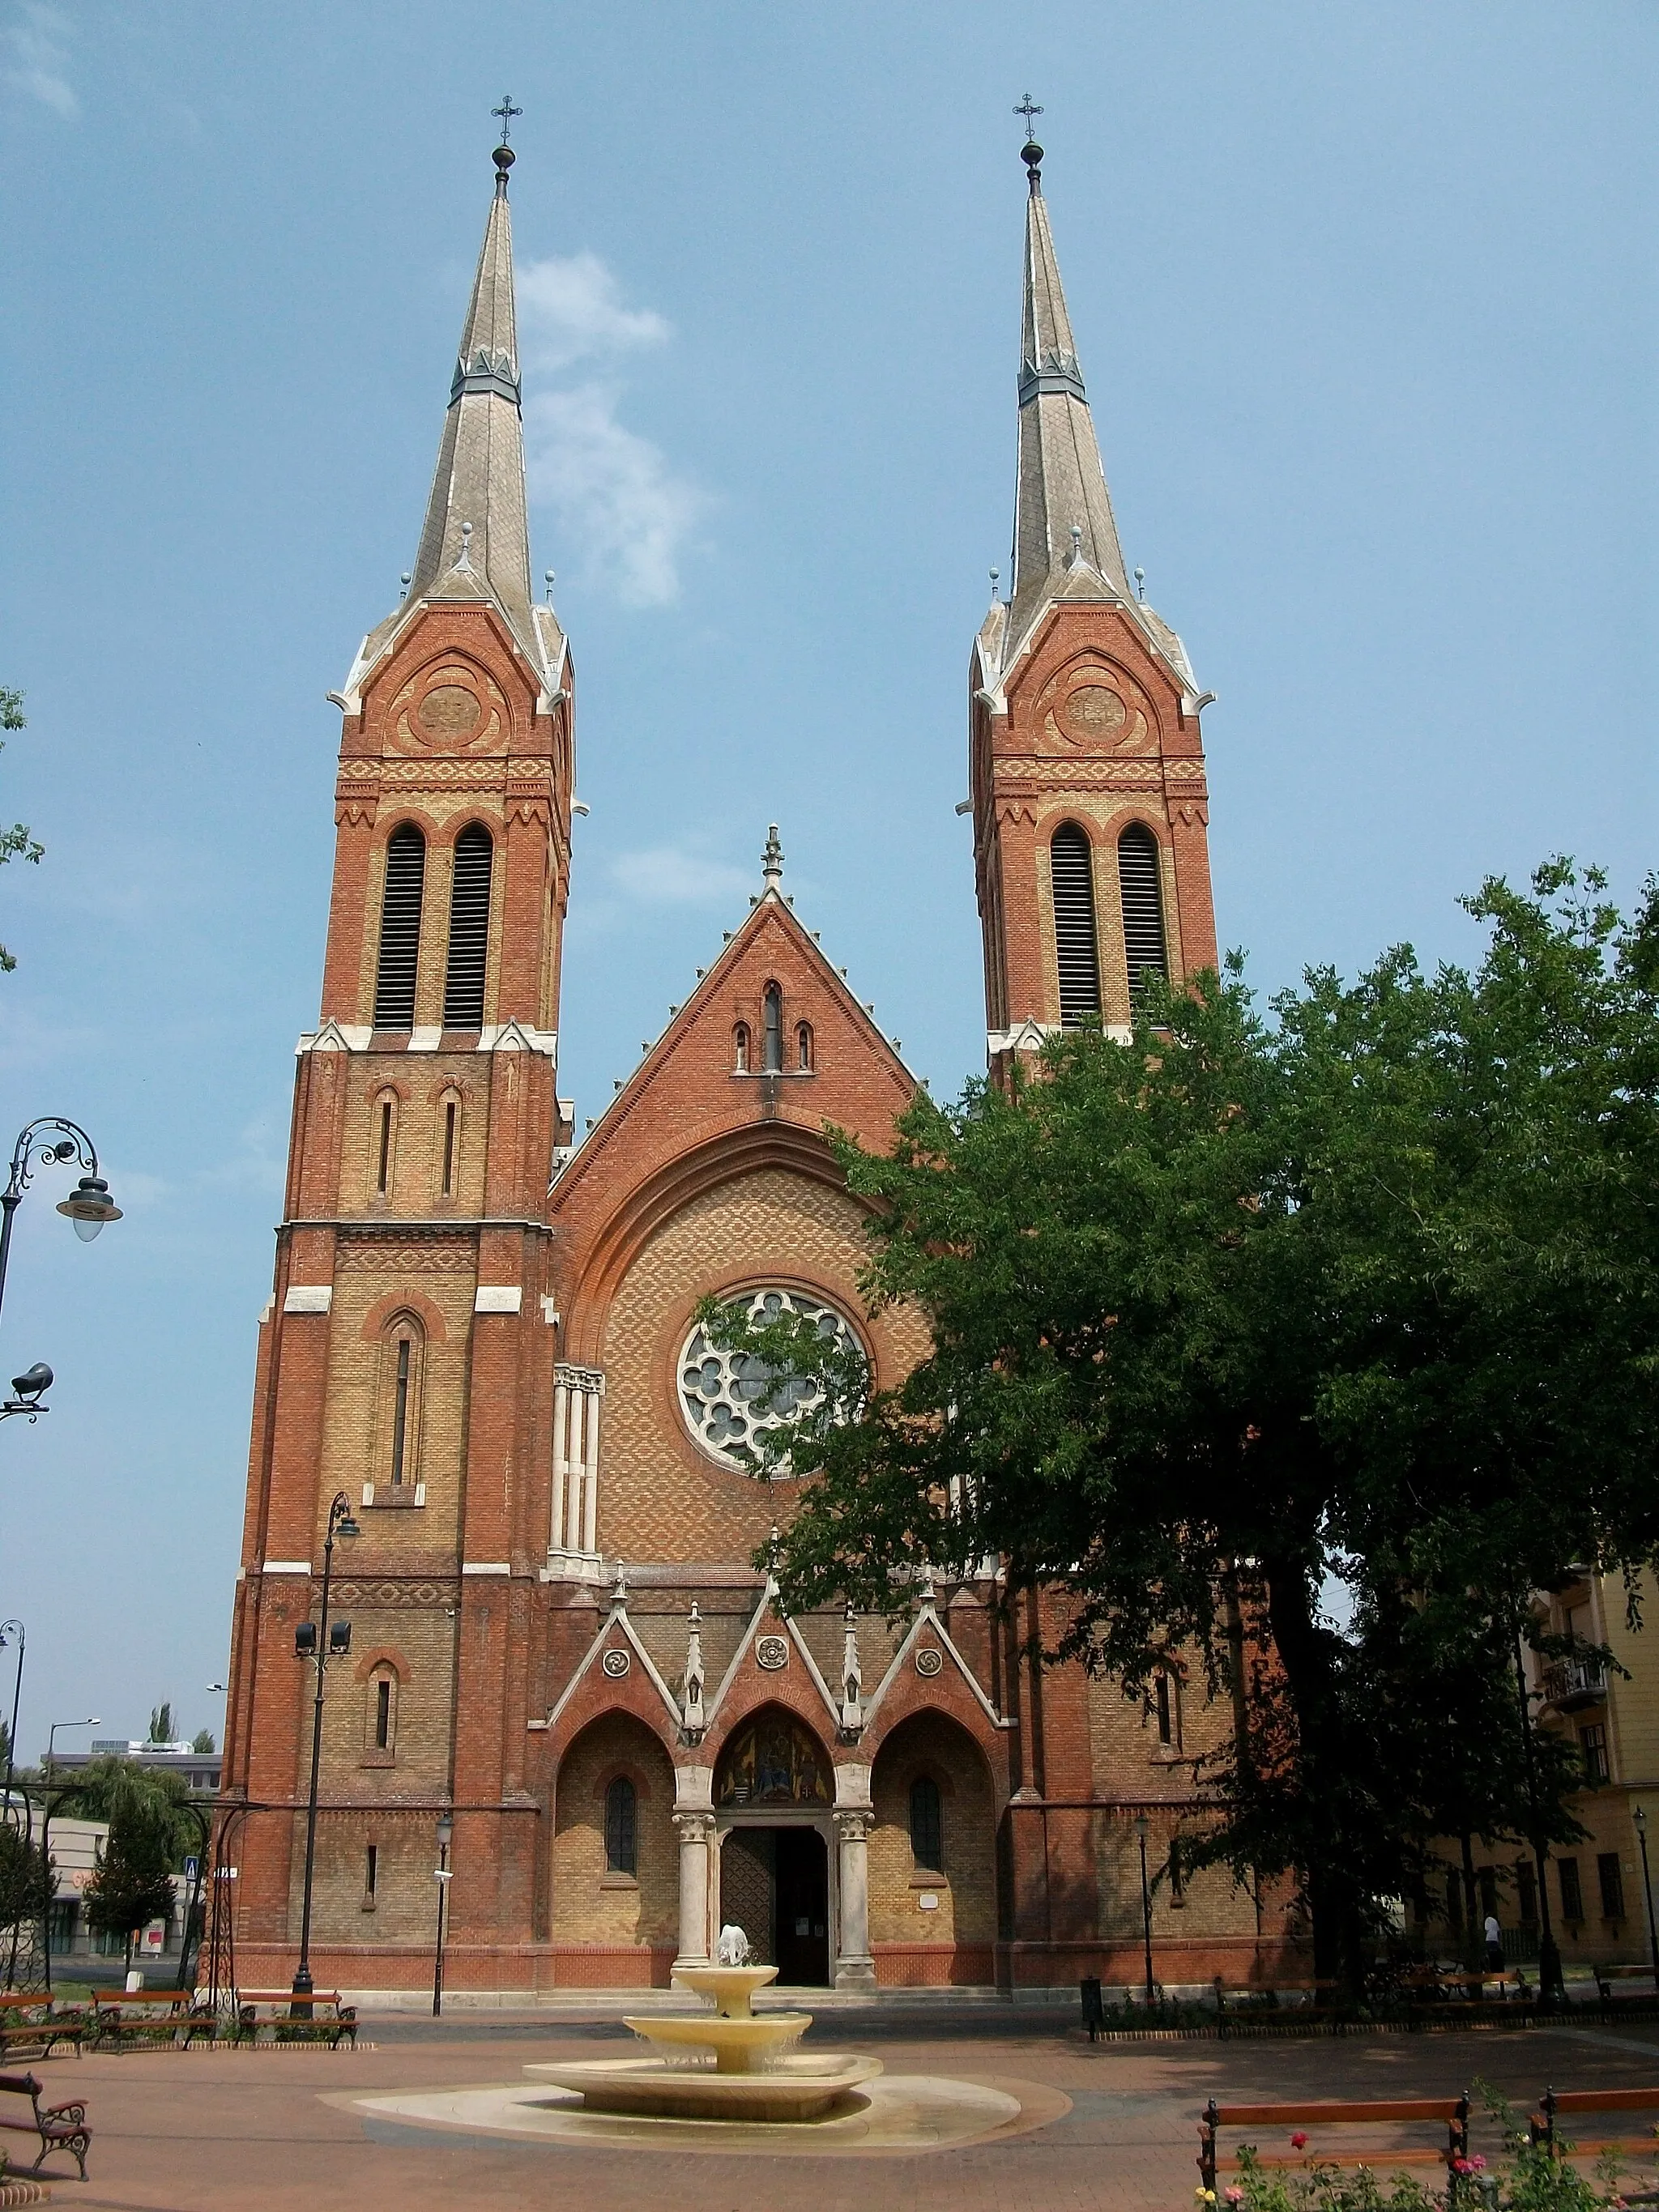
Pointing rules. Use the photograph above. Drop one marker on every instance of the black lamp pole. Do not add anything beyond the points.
(446, 1834)
(1146, 1904)
(1640, 1821)
(7, 1629)
(340, 1523)
(89, 1205)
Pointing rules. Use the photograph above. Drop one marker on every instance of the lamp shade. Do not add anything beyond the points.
(89, 1205)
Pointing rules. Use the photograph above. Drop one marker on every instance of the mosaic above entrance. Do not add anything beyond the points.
(771, 1760)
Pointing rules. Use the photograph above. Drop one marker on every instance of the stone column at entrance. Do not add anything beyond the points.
(696, 1832)
(855, 1967)
(694, 1821)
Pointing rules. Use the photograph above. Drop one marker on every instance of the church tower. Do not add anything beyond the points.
(403, 1358)
(1089, 800)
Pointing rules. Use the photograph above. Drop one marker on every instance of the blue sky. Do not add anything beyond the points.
(1365, 300)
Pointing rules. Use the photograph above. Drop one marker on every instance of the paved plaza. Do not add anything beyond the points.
(1103, 2126)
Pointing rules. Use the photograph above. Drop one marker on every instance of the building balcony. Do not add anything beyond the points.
(1570, 1684)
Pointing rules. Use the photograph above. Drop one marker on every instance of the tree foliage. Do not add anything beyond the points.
(15, 843)
(132, 1883)
(27, 1877)
(1363, 1292)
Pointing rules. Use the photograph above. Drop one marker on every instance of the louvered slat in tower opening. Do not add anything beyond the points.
(468, 930)
(400, 929)
(1143, 906)
(1075, 946)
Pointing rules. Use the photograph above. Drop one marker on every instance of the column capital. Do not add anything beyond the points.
(695, 1827)
(853, 1823)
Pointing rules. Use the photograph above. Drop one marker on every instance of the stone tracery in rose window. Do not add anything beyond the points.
(731, 1400)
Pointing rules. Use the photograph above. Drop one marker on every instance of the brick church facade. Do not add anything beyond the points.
(483, 1335)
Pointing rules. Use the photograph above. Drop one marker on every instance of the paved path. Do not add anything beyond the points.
(267, 2131)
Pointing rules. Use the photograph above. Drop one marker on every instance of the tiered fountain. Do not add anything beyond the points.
(725, 2064)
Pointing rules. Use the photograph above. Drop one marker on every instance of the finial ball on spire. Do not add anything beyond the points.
(503, 157)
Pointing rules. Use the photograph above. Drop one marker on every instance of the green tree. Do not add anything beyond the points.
(202, 1740)
(15, 843)
(132, 1883)
(28, 1879)
(160, 1724)
(1366, 1291)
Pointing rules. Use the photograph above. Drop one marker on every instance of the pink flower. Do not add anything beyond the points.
(1235, 2195)
(1298, 2140)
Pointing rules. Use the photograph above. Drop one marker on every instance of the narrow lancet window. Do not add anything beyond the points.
(1076, 946)
(400, 1413)
(469, 929)
(1139, 884)
(450, 1109)
(621, 1847)
(926, 1824)
(383, 1160)
(803, 1047)
(740, 1048)
(773, 1063)
(401, 928)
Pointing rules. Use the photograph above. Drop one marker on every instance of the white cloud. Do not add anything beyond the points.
(35, 46)
(663, 876)
(619, 505)
(570, 308)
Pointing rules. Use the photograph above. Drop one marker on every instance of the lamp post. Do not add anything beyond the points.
(1145, 1903)
(88, 1206)
(8, 1629)
(311, 1640)
(443, 1878)
(52, 1738)
(1640, 1821)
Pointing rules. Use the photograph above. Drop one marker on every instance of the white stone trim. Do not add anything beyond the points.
(334, 1037)
(498, 1297)
(425, 1040)
(286, 1567)
(514, 1037)
(550, 1310)
(308, 1297)
(485, 1567)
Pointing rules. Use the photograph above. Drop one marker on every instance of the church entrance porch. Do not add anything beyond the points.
(775, 1884)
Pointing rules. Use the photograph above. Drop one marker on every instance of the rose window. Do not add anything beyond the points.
(731, 1400)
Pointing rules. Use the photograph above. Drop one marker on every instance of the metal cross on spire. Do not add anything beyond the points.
(1028, 107)
(506, 111)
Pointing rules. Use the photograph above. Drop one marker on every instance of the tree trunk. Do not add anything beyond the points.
(1304, 1652)
(1474, 1941)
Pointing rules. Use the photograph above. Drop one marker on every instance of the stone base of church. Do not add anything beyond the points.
(542, 1971)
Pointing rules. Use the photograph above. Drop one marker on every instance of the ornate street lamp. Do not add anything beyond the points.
(315, 1640)
(88, 1206)
(1640, 1821)
(443, 1878)
(1141, 1824)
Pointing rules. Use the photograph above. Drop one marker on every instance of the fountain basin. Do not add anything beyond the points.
(741, 2045)
(731, 1987)
(793, 2089)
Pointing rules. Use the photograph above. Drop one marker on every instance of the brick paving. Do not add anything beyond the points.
(266, 2131)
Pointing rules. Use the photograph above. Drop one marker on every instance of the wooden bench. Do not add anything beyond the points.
(1233, 2000)
(127, 2016)
(59, 2127)
(31, 2023)
(1451, 2113)
(1614, 2001)
(290, 2025)
(1553, 2101)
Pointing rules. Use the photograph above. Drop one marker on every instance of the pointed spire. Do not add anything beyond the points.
(476, 542)
(1063, 527)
